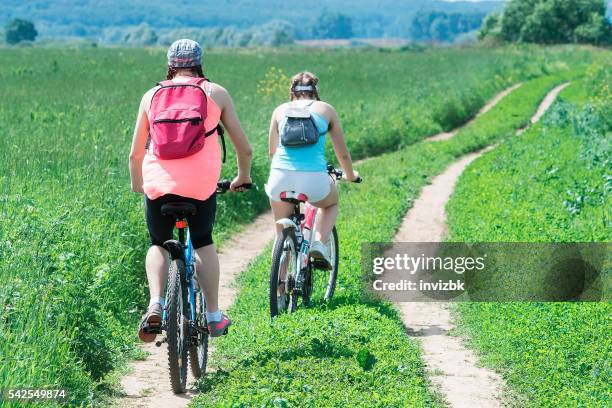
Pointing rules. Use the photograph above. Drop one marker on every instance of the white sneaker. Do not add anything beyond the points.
(320, 254)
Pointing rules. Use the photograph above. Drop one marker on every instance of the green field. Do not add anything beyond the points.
(284, 361)
(72, 235)
(550, 185)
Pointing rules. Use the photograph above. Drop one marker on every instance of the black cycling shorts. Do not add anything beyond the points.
(200, 225)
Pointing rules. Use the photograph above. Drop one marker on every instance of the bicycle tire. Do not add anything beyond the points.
(307, 286)
(335, 258)
(178, 318)
(198, 354)
(293, 302)
(286, 245)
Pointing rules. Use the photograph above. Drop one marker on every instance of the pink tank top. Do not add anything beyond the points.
(195, 176)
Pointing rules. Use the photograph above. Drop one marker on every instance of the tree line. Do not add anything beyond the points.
(57, 20)
(549, 22)
(532, 21)
(426, 26)
(272, 34)
(442, 27)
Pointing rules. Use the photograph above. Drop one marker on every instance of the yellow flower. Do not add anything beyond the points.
(275, 83)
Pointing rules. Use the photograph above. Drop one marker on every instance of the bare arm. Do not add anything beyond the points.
(244, 152)
(273, 135)
(339, 144)
(137, 152)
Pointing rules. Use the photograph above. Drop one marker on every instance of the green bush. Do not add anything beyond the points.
(19, 30)
(550, 22)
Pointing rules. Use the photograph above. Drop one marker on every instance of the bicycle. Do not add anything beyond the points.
(184, 316)
(291, 274)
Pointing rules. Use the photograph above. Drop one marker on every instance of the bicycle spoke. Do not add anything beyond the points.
(282, 274)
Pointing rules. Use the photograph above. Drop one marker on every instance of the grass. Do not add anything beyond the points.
(550, 185)
(72, 237)
(336, 354)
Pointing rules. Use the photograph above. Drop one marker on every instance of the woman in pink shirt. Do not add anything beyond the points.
(190, 179)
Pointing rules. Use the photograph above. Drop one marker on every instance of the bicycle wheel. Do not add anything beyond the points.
(282, 272)
(178, 326)
(323, 280)
(335, 258)
(307, 286)
(198, 353)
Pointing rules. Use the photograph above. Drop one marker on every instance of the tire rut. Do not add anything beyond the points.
(453, 368)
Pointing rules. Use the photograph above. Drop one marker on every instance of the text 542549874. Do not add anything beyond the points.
(34, 394)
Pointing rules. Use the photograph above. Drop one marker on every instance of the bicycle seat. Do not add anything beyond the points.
(178, 210)
(293, 197)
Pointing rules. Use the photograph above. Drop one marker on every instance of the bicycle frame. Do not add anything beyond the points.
(185, 251)
(292, 273)
(304, 225)
(189, 259)
(307, 228)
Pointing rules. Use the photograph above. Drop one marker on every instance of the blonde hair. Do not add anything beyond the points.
(304, 78)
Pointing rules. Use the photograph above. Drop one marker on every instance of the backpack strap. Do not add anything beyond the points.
(220, 131)
(197, 80)
(208, 89)
(312, 118)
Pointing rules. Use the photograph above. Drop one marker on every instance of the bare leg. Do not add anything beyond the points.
(156, 265)
(280, 209)
(327, 215)
(207, 269)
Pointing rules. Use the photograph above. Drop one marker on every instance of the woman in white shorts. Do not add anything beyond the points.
(303, 169)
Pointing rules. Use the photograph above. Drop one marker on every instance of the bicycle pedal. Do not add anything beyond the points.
(226, 331)
(318, 264)
(155, 328)
(160, 342)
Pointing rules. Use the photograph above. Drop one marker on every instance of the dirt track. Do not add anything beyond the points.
(483, 110)
(148, 384)
(452, 367)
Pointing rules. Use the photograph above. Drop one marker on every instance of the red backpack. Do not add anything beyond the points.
(176, 119)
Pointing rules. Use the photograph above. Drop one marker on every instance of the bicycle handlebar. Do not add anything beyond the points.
(338, 174)
(224, 185)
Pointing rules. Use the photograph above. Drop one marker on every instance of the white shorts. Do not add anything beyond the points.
(315, 184)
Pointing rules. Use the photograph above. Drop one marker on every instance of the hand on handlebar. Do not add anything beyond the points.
(339, 174)
(241, 184)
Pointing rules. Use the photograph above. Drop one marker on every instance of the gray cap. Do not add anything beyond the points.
(184, 54)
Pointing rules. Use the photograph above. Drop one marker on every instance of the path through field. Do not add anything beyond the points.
(148, 384)
(452, 367)
(483, 110)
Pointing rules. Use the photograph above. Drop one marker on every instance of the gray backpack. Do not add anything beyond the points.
(299, 128)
